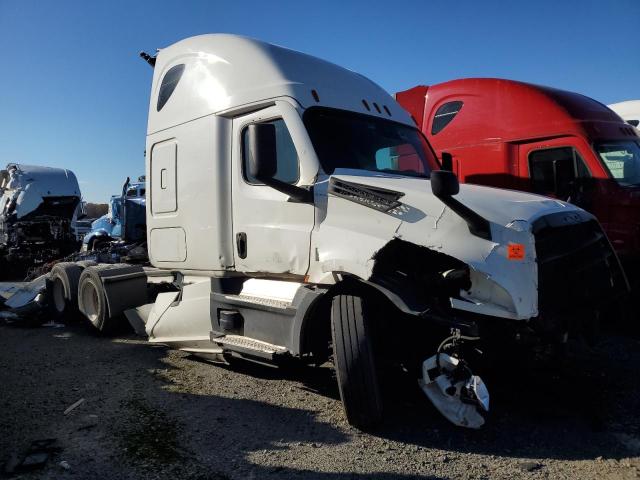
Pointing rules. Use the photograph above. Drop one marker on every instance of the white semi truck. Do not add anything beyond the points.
(294, 210)
(629, 111)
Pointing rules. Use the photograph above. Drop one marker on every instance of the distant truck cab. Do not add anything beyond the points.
(527, 137)
(125, 220)
(38, 209)
(629, 111)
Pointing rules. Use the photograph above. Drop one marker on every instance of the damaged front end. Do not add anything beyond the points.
(491, 268)
(37, 208)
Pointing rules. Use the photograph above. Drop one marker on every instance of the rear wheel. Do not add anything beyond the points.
(354, 361)
(64, 289)
(92, 300)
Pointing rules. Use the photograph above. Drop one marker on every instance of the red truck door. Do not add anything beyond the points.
(559, 168)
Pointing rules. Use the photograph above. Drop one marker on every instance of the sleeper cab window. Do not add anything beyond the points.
(444, 115)
(168, 85)
(287, 157)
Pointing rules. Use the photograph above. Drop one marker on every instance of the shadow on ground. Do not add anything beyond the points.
(142, 424)
(572, 414)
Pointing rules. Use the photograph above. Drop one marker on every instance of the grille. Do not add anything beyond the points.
(577, 268)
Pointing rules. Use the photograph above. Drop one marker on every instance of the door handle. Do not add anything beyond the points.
(241, 244)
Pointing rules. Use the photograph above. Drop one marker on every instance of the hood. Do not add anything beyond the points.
(360, 213)
(498, 206)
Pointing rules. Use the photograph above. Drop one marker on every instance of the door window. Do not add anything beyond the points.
(555, 170)
(287, 167)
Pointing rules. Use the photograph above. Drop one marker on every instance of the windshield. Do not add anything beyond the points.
(622, 159)
(350, 140)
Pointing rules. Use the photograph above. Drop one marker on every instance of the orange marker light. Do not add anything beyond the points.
(515, 251)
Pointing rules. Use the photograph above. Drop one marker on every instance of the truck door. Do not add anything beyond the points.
(557, 169)
(271, 231)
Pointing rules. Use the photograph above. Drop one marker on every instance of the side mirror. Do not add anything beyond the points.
(263, 160)
(444, 183)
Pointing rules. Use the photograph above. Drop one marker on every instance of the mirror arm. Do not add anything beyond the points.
(299, 194)
(478, 225)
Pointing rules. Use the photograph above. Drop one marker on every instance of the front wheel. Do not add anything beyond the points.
(354, 361)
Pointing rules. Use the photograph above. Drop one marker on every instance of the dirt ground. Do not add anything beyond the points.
(149, 412)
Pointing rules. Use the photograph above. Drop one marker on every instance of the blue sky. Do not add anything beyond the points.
(73, 92)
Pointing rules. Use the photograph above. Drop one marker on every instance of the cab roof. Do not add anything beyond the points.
(51, 181)
(628, 110)
(223, 72)
(500, 109)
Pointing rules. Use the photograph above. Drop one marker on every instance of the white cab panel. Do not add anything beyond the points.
(170, 244)
(203, 182)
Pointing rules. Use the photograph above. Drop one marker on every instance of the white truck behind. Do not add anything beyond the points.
(294, 210)
(38, 210)
(628, 110)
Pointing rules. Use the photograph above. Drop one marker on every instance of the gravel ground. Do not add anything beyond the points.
(149, 412)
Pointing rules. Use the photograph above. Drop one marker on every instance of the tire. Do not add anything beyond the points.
(92, 301)
(354, 362)
(64, 289)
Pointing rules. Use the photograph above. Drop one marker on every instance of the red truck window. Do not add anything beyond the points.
(444, 115)
(622, 159)
(554, 170)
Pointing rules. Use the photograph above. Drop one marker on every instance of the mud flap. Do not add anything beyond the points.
(457, 394)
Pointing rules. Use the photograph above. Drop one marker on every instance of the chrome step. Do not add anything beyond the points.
(267, 302)
(250, 346)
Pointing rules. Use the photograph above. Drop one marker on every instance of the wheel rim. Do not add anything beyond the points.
(59, 300)
(90, 301)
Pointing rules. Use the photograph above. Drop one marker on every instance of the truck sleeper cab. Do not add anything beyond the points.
(295, 211)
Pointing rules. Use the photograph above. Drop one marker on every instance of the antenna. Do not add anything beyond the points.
(148, 58)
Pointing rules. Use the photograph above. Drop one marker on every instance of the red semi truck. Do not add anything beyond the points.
(520, 136)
